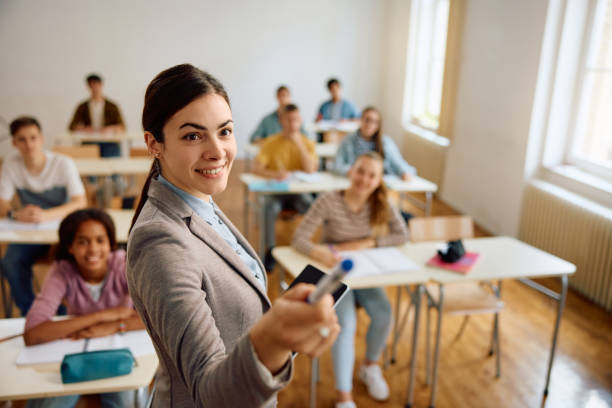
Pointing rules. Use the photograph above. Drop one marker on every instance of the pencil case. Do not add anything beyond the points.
(95, 365)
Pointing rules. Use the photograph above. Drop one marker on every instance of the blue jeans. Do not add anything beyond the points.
(107, 149)
(17, 264)
(122, 399)
(377, 306)
(274, 204)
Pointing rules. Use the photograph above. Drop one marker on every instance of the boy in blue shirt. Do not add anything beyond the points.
(336, 108)
(270, 124)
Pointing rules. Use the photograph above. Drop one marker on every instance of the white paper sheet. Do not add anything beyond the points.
(303, 176)
(138, 341)
(12, 225)
(379, 261)
(51, 352)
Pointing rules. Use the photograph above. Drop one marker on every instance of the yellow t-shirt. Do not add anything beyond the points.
(279, 153)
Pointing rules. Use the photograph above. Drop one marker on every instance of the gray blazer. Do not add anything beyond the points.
(197, 300)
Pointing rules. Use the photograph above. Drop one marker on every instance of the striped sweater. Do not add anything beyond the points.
(341, 224)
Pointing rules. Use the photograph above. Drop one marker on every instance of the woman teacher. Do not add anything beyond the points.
(195, 281)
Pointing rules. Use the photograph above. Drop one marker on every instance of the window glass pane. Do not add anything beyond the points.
(430, 54)
(593, 137)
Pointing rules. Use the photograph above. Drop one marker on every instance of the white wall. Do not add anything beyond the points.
(484, 174)
(252, 46)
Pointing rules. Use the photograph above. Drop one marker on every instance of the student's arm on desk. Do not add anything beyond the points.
(7, 189)
(111, 327)
(345, 156)
(302, 239)
(59, 212)
(73, 328)
(356, 245)
(40, 328)
(398, 232)
(399, 166)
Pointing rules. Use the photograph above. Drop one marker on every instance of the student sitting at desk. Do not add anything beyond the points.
(48, 187)
(98, 114)
(280, 154)
(270, 124)
(358, 218)
(336, 108)
(89, 274)
(369, 137)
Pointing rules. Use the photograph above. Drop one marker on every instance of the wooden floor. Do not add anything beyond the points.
(582, 374)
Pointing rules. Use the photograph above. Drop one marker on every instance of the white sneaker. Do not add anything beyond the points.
(346, 404)
(372, 377)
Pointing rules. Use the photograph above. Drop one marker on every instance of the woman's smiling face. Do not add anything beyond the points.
(199, 146)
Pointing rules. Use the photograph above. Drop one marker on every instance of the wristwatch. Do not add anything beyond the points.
(10, 214)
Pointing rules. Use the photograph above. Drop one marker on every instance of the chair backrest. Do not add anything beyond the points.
(79, 152)
(441, 228)
(139, 152)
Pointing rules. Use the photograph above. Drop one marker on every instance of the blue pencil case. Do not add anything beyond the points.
(95, 365)
(269, 185)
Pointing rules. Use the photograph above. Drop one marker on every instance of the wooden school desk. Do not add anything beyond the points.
(323, 150)
(500, 258)
(263, 187)
(294, 262)
(45, 380)
(333, 131)
(125, 139)
(113, 165)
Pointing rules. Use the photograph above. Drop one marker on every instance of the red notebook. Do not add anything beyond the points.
(462, 266)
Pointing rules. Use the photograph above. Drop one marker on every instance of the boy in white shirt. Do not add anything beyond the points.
(48, 186)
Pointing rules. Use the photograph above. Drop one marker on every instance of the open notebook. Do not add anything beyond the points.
(378, 261)
(138, 341)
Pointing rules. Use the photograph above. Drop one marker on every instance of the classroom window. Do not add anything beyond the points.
(590, 140)
(426, 56)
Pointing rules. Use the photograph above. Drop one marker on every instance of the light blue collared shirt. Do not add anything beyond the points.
(208, 213)
(353, 145)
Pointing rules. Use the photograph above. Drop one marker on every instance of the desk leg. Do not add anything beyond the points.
(556, 331)
(396, 330)
(428, 199)
(314, 379)
(107, 191)
(261, 198)
(434, 381)
(417, 295)
(7, 299)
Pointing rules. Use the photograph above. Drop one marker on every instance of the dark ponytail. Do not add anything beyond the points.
(170, 91)
(378, 145)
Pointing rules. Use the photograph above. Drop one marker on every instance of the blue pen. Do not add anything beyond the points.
(329, 283)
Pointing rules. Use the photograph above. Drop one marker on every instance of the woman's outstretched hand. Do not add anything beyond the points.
(292, 324)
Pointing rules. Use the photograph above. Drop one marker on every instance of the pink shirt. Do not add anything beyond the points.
(65, 282)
